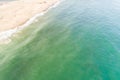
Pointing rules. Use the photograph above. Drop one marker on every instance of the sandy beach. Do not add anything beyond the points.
(16, 13)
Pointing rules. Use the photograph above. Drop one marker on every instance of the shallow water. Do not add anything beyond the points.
(77, 40)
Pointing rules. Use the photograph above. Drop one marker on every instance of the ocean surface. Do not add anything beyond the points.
(77, 40)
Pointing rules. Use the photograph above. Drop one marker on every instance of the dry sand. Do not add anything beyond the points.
(16, 13)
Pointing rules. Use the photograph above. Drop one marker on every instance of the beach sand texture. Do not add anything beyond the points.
(16, 13)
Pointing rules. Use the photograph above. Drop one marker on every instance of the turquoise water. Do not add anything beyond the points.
(77, 40)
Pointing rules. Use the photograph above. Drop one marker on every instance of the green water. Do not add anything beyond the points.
(77, 40)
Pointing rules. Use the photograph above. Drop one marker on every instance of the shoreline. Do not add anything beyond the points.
(4, 35)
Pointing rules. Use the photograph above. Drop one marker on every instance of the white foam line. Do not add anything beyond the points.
(7, 34)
